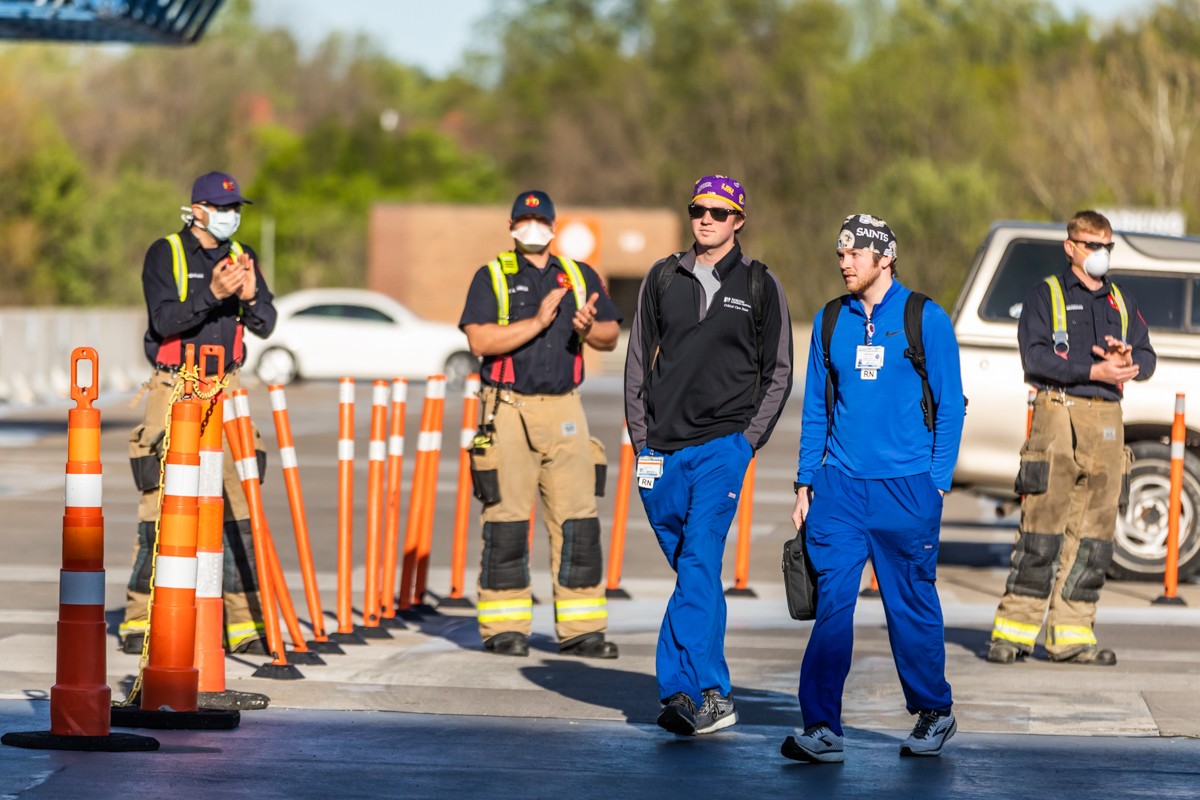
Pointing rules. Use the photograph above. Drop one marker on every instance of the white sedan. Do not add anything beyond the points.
(355, 333)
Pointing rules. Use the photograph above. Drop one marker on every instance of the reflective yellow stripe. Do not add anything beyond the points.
(578, 285)
(238, 632)
(501, 610)
(1116, 294)
(133, 626)
(1058, 306)
(1072, 634)
(1012, 631)
(586, 608)
(178, 265)
(500, 287)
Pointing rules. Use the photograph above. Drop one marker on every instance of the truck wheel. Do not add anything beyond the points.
(1141, 537)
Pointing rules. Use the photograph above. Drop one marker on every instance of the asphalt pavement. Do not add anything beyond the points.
(425, 713)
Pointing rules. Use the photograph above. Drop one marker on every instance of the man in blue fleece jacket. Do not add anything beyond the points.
(870, 483)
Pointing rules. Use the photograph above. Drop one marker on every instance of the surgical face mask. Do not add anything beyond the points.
(1096, 264)
(222, 224)
(532, 236)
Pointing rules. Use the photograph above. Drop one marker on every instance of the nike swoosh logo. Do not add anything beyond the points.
(893, 333)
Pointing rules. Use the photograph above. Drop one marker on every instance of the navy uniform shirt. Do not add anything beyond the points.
(200, 318)
(1090, 317)
(552, 361)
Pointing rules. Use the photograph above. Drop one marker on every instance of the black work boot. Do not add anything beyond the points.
(589, 645)
(509, 643)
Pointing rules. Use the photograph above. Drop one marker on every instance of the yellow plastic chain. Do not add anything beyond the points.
(182, 378)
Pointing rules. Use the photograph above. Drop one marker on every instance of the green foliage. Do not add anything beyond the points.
(938, 115)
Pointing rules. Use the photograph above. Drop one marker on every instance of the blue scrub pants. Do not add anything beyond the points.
(895, 521)
(690, 508)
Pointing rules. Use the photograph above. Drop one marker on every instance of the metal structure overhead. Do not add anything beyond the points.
(139, 21)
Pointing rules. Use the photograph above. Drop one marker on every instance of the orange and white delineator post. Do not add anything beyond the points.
(741, 571)
(243, 449)
(391, 523)
(376, 456)
(247, 469)
(291, 480)
(345, 634)
(170, 679)
(616, 550)
(1174, 507)
(80, 698)
(437, 387)
(417, 497)
(210, 544)
(462, 506)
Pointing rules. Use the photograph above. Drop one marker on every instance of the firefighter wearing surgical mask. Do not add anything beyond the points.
(529, 315)
(1082, 339)
(202, 287)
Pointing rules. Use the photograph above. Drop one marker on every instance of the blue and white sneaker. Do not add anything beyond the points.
(930, 734)
(716, 712)
(817, 744)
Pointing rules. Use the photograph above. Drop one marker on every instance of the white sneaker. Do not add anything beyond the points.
(818, 743)
(930, 734)
(715, 713)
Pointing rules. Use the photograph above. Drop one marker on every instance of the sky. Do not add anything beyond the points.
(433, 34)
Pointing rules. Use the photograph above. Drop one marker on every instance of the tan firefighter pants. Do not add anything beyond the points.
(540, 444)
(243, 615)
(1073, 468)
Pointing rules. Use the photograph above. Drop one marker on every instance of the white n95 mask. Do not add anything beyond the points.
(532, 236)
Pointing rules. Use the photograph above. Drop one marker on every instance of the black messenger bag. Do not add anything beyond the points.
(799, 578)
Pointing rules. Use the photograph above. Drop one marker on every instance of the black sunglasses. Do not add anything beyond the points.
(1094, 246)
(718, 214)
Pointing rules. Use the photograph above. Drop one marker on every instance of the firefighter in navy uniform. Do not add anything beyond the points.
(1082, 339)
(201, 287)
(529, 314)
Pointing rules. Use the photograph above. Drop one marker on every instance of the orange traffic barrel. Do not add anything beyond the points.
(80, 698)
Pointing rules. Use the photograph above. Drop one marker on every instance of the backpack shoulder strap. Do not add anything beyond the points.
(829, 318)
(758, 305)
(914, 309)
(657, 289)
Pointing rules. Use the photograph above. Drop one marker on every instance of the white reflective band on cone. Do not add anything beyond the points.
(84, 491)
(210, 473)
(425, 441)
(287, 457)
(467, 439)
(379, 395)
(1179, 404)
(242, 401)
(175, 572)
(247, 468)
(376, 451)
(182, 480)
(437, 440)
(346, 392)
(278, 400)
(399, 390)
(436, 389)
(81, 588)
(395, 445)
(210, 568)
(625, 436)
(345, 449)
(472, 385)
(228, 412)
(1177, 451)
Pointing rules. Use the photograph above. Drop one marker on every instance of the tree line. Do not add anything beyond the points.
(938, 115)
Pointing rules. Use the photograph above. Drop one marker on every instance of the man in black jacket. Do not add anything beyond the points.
(201, 287)
(708, 372)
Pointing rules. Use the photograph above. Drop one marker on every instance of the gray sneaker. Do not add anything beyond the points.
(818, 744)
(678, 715)
(716, 712)
(930, 734)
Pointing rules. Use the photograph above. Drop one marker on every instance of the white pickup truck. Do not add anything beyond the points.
(1163, 273)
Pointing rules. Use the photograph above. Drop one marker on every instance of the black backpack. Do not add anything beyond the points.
(758, 293)
(914, 307)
